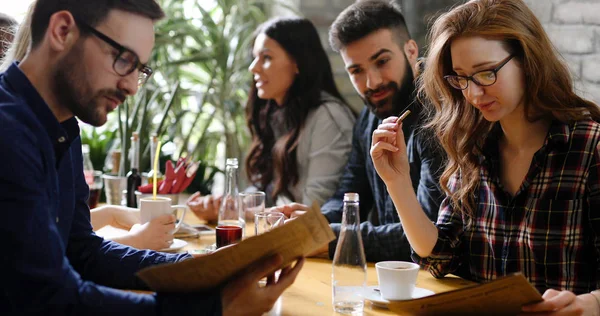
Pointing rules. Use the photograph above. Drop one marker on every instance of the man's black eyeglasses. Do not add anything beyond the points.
(126, 60)
(481, 78)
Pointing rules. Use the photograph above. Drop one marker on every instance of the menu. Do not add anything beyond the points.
(504, 296)
(294, 239)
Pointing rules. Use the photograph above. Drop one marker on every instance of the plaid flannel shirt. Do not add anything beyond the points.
(548, 231)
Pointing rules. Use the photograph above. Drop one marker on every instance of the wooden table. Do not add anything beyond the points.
(311, 293)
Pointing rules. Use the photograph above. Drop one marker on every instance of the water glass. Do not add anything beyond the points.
(252, 203)
(95, 190)
(265, 221)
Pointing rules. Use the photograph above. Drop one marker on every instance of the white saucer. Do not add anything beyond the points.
(175, 246)
(374, 296)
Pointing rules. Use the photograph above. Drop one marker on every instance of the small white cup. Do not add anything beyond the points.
(397, 279)
(151, 208)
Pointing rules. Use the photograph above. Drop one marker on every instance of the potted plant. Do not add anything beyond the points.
(209, 45)
(195, 98)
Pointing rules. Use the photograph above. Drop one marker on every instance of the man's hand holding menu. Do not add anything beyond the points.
(291, 241)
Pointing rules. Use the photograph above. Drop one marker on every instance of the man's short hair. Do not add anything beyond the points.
(365, 17)
(93, 12)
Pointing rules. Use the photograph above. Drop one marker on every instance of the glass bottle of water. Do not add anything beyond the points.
(349, 275)
(231, 225)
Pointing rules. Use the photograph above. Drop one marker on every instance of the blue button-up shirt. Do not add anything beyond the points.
(384, 239)
(53, 263)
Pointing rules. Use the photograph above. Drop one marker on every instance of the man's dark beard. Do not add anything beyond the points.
(399, 98)
(72, 90)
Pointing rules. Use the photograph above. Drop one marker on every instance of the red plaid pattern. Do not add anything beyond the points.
(548, 231)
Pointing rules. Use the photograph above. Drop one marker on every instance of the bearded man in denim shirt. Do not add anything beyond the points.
(381, 59)
(85, 58)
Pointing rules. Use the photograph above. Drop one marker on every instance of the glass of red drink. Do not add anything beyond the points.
(95, 189)
(228, 235)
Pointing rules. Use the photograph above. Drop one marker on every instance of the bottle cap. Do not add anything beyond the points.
(351, 197)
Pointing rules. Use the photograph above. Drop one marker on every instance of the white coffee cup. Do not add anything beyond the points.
(397, 279)
(151, 208)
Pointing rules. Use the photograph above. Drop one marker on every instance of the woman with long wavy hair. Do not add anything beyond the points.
(523, 172)
(300, 125)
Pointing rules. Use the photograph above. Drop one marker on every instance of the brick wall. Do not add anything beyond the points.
(573, 26)
(322, 13)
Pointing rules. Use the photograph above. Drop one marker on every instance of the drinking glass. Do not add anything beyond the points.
(95, 190)
(228, 235)
(252, 203)
(265, 221)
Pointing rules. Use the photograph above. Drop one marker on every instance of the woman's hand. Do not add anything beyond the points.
(564, 303)
(126, 217)
(116, 216)
(205, 207)
(388, 151)
(291, 210)
(155, 235)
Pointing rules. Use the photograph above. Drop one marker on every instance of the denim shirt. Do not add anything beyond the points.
(53, 263)
(385, 239)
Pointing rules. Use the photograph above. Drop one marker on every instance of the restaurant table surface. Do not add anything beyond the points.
(311, 292)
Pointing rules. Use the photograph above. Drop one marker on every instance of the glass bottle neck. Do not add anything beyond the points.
(351, 215)
(135, 156)
(231, 180)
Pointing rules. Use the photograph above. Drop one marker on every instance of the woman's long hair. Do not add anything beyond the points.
(274, 160)
(459, 126)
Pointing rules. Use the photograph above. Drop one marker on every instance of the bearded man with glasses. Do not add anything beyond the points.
(85, 58)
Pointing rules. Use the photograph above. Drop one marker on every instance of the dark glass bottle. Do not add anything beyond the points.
(134, 179)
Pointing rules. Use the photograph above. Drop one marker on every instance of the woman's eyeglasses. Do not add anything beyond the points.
(481, 78)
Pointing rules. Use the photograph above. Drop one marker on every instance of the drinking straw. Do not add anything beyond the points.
(155, 170)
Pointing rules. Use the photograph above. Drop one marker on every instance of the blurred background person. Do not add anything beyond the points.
(381, 59)
(300, 125)
(7, 25)
(19, 44)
